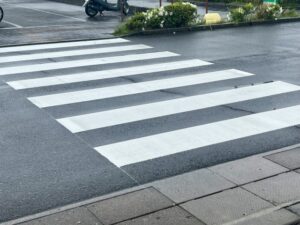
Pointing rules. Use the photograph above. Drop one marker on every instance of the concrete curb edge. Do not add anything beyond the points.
(114, 194)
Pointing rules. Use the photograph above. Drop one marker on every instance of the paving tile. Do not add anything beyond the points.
(247, 170)
(295, 209)
(171, 216)
(278, 217)
(279, 189)
(130, 205)
(71, 217)
(192, 185)
(226, 206)
(289, 159)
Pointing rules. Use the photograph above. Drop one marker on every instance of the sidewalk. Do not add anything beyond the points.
(258, 190)
(50, 21)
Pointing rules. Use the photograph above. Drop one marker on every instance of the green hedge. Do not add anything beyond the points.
(179, 14)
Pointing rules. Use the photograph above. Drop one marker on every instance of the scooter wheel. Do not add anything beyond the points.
(126, 9)
(91, 11)
(1, 14)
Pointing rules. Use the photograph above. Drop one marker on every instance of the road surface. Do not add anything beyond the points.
(84, 119)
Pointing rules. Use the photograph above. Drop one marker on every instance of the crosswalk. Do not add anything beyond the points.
(64, 79)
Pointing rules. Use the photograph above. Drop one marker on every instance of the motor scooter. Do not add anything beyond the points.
(1, 13)
(92, 7)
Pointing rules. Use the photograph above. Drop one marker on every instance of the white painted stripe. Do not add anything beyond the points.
(141, 112)
(121, 90)
(48, 55)
(61, 45)
(105, 74)
(13, 24)
(134, 88)
(83, 62)
(155, 146)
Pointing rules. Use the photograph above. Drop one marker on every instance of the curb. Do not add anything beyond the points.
(212, 27)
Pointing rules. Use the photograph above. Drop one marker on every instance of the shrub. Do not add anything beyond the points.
(268, 11)
(121, 30)
(155, 18)
(241, 14)
(248, 8)
(179, 14)
(237, 15)
(290, 13)
(136, 22)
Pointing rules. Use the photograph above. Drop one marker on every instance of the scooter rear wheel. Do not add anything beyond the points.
(126, 9)
(91, 11)
(1, 14)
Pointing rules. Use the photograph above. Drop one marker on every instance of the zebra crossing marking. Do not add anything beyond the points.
(105, 74)
(98, 120)
(136, 88)
(83, 62)
(61, 45)
(66, 53)
(159, 145)
(164, 144)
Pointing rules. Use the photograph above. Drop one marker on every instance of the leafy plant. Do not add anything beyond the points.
(241, 14)
(268, 11)
(179, 14)
(136, 22)
(237, 15)
(290, 13)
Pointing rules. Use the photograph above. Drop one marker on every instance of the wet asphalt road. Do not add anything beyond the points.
(43, 165)
(35, 21)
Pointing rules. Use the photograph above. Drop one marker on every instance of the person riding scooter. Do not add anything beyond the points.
(92, 7)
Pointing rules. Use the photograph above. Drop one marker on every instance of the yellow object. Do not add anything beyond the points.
(212, 18)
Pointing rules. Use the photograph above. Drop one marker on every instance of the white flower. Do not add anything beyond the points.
(241, 10)
(229, 16)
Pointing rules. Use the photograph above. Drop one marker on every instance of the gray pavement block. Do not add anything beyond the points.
(171, 216)
(279, 217)
(279, 189)
(295, 208)
(247, 170)
(71, 217)
(289, 159)
(226, 206)
(192, 185)
(129, 205)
